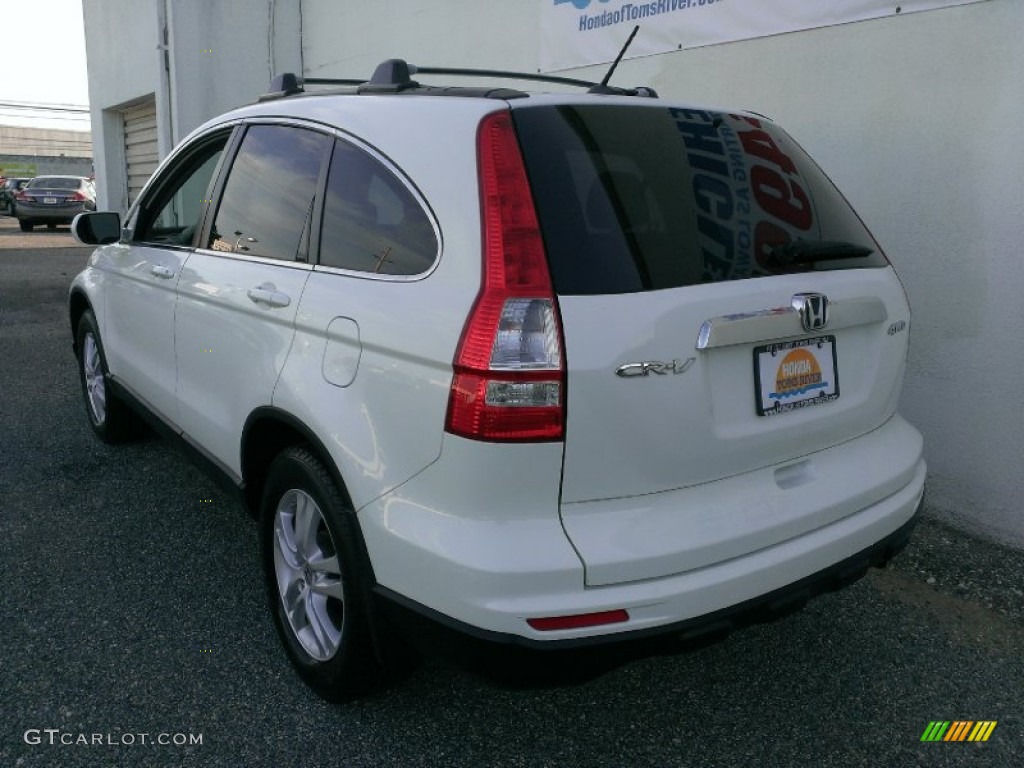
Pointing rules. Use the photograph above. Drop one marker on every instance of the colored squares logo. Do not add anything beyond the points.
(958, 730)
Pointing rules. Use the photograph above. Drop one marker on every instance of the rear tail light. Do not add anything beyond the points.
(22, 195)
(77, 197)
(509, 382)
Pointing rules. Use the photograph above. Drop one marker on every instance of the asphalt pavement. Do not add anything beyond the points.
(134, 632)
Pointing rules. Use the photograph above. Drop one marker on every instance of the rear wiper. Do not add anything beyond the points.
(810, 251)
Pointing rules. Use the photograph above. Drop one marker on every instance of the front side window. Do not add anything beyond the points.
(170, 213)
(372, 222)
(269, 193)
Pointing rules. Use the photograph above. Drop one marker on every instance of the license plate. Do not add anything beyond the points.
(795, 374)
(49, 200)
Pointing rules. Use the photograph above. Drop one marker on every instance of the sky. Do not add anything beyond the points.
(50, 35)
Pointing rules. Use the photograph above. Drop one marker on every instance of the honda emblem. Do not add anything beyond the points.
(813, 310)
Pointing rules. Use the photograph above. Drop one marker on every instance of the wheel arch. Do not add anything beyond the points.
(78, 304)
(266, 433)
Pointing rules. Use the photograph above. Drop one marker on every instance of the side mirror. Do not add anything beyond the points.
(96, 228)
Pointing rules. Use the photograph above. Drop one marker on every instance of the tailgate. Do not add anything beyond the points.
(654, 404)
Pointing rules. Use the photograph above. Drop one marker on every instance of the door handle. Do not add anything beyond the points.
(159, 270)
(269, 296)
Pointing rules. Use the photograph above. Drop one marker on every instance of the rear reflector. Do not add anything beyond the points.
(579, 621)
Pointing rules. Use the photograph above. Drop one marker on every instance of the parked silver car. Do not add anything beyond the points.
(53, 200)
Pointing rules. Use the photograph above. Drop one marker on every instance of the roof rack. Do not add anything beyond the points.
(395, 76)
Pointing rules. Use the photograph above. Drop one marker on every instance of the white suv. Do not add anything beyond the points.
(550, 370)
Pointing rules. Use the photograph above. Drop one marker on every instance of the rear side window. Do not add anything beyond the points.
(639, 198)
(372, 222)
(268, 197)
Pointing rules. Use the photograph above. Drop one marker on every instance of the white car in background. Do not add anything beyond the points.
(545, 370)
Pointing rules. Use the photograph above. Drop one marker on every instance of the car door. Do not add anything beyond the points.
(238, 293)
(142, 273)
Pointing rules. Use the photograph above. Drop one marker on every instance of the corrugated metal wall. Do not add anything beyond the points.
(140, 145)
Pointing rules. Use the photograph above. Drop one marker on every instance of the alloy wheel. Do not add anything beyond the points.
(308, 575)
(95, 384)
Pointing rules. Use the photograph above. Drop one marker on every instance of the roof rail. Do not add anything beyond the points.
(505, 75)
(390, 76)
(501, 74)
(395, 76)
(285, 84)
(290, 84)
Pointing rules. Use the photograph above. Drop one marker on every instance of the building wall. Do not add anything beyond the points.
(49, 142)
(914, 116)
(121, 74)
(195, 59)
(224, 54)
(49, 151)
(12, 165)
(347, 38)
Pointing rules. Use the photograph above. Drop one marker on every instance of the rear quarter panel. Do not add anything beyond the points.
(370, 367)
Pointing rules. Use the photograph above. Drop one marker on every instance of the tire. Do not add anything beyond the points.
(111, 420)
(26, 226)
(316, 583)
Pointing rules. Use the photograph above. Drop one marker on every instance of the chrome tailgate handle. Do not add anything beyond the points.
(782, 322)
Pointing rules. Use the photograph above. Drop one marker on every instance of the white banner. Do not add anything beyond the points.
(575, 33)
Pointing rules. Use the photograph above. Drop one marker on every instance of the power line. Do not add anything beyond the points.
(45, 139)
(50, 152)
(27, 152)
(16, 146)
(48, 118)
(75, 124)
(42, 107)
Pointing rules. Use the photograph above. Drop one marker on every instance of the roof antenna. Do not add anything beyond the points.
(603, 86)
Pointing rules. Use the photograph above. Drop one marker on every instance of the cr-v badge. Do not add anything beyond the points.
(654, 366)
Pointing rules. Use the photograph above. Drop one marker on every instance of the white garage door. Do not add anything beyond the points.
(140, 145)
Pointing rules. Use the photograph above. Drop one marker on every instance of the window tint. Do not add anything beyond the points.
(372, 222)
(269, 193)
(649, 197)
(170, 214)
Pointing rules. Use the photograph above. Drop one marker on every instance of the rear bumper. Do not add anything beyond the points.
(61, 214)
(661, 534)
(444, 631)
(486, 575)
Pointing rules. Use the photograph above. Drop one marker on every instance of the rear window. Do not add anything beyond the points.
(638, 198)
(54, 182)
